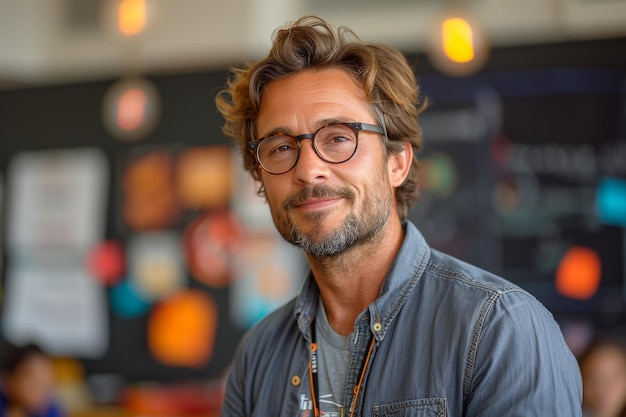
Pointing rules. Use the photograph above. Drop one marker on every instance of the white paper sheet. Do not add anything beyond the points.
(56, 214)
(58, 305)
(56, 199)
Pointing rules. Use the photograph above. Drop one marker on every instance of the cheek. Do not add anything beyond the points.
(369, 161)
(373, 177)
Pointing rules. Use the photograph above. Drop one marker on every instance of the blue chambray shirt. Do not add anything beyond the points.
(451, 340)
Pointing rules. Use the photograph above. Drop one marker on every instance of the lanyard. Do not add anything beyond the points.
(313, 370)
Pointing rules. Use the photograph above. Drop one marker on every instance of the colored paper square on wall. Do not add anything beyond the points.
(204, 177)
(148, 191)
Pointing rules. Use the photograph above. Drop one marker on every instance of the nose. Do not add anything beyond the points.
(310, 167)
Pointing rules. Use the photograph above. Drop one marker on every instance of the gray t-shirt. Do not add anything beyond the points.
(333, 353)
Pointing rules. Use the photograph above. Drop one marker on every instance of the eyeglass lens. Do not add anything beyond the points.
(334, 143)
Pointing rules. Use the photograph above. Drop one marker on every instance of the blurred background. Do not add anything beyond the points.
(135, 250)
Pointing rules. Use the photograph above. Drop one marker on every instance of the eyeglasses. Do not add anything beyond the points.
(333, 142)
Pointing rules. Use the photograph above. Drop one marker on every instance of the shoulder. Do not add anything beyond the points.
(489, 296)
(428, 264)
(458, 272)
(471, 281)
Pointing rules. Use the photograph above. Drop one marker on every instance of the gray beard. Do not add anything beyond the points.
(356, 229)
(339, 242)
(352, 233)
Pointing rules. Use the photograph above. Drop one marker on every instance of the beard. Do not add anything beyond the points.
(354, 230)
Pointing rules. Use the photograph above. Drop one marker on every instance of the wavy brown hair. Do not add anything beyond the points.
(311, 43)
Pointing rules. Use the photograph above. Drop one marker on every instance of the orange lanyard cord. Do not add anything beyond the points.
(313, 377)
(357, 388)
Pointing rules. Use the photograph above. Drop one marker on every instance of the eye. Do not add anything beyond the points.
(334, 135)
(339, 139)
(277, 145)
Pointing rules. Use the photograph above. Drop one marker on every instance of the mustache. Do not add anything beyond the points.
(317, 191)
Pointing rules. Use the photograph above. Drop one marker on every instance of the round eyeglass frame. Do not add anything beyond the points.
(356, 127)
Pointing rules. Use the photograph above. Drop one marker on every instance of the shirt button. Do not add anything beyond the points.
(378, 327)
(295, 381)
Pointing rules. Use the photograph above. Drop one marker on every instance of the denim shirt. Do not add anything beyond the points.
(450, 340)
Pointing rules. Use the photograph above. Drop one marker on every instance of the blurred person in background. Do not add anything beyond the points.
(27, 384)
(603, 369)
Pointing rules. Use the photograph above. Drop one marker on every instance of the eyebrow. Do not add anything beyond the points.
(283, 130)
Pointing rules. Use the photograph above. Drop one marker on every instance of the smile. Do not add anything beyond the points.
(317, 197)
(317, 203)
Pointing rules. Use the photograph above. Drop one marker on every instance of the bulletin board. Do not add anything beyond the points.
(127, 248)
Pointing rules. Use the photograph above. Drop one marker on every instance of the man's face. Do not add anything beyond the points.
(322, 207)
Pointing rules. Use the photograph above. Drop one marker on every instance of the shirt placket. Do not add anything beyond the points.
(359, 345)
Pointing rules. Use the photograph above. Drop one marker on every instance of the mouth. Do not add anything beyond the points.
(317, 197)
(316, 203)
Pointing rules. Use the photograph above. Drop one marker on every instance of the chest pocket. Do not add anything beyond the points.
(428, 407)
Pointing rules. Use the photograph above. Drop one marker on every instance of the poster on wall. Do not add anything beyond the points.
(56, 304)
(56, 199)
(56, 215)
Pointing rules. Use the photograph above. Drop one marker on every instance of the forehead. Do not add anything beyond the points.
(302, 99)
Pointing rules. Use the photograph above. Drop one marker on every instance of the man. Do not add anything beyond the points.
(384, 326)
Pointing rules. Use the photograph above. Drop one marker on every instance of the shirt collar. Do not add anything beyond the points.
(405, 271)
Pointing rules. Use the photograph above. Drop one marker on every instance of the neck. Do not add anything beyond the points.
(351, 281)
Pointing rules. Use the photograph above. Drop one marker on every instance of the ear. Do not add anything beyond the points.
(399, 165)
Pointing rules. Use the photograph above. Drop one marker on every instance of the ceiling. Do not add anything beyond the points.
(65, 41)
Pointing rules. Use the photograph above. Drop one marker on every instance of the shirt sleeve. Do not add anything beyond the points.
(522, 365)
